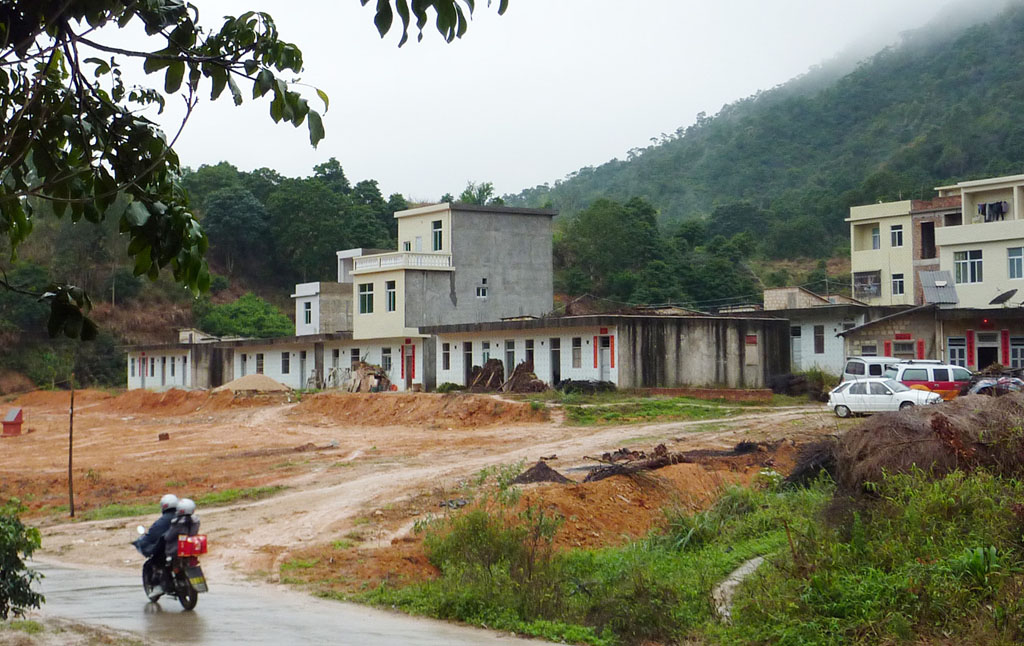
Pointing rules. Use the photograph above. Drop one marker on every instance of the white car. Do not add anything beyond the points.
(876, 395)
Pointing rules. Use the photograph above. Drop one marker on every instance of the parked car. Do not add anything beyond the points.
(876, 395)
(945, 379)
(865, 367)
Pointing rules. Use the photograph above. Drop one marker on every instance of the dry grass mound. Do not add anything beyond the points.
(454, 410)
(967, 433)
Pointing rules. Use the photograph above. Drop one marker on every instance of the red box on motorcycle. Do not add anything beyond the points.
(192, 545)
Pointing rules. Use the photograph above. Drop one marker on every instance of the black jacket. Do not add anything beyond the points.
(180, 526)
(151, 542)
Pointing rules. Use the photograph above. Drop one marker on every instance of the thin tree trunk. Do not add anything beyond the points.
(71, 435)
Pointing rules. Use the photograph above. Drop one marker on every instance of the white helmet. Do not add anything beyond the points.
(186, 507)
(169, 501)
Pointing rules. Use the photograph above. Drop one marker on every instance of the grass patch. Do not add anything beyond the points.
(121, 510)
(25, 626)
(298, 564)
(648, 410)
(923, 561)
(228, 496)
(342, 544)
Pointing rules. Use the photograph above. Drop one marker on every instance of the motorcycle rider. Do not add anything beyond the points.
(184, 523)
(152, 543)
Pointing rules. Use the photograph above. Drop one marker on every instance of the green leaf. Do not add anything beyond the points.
(316, 128)
(323, 97)
(137, 214)
(172, 80)
(383, 17)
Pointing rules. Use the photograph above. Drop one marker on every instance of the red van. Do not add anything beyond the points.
(945, 379)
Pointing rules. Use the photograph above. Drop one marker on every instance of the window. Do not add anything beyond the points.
(876, 388)
(903, 349)
(259, 363)
(968, 266)
(132, 364)
(353, 357)
(286, 363)
(1016, 255)
(819, 339)
(481, 290)
(184, 360)
(446, 356)
(896, 235)
(307, 313)
(510, 357)
(915, 374)
(875, 370)
(897, 284)
(940, 374)
(335, 357)
(859, 388)
(795, 331)
(173, 362)
(390, 295)
(927, 240)
(869, 350)
(366, 298)
(854, 368)
(1017, 351)
(152, 366)
(867, 284)
(577, 352)
(385, 359)
(957, 346)
(485, 352)
(406, 246)
(876, 238)
(435, 234)
(529, 350)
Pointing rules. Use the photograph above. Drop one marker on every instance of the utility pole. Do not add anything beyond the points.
(71, 435)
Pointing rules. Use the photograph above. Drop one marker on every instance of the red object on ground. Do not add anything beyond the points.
(12, 422)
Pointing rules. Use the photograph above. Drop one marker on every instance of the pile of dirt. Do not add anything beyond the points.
(453, 410)
(253, 384)
(969, 432)
(60, 398)
(170, 402)
(540, 472)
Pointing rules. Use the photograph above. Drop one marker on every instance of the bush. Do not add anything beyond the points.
(17, 543)
(449, 387)
(249, 316)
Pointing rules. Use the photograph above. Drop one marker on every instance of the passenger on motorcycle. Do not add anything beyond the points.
(184, 523)
(152, 542)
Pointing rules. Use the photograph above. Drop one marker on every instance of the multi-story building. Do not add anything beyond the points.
(956, 261)
(470, 283)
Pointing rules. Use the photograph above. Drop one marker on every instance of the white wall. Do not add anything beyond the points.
(372, 351)
(164, 369)
(273, 367)
(541, 353)
(803, 355)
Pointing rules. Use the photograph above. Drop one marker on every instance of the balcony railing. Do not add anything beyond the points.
(402, 260)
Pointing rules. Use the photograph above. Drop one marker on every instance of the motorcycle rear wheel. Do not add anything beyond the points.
(187, 595)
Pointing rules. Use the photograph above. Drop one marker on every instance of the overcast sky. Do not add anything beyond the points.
(524, 98)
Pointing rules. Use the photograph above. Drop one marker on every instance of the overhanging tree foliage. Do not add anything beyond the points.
(74, 142)
(17, 543)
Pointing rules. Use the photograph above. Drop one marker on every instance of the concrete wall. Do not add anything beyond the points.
(788, 298)
(908, 329)
(511, 251)
(159, 369)
(381, 323)
(888, 259)
(736, 353)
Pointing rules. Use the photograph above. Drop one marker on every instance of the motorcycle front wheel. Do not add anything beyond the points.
(147, 582)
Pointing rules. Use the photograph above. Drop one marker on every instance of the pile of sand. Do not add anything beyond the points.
(253, 384)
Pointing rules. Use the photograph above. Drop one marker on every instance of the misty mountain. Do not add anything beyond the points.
(939, 107)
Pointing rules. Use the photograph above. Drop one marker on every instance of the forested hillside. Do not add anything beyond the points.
(266, 232)
(786, 164)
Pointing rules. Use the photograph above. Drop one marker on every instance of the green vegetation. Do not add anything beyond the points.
(17, 543)
(785, 164)
(648, 410)
(228, 496)
(121, 510)
(25, 626)
(922, 559)
(250, 316)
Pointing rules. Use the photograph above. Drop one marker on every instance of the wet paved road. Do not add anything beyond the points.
(238, 614)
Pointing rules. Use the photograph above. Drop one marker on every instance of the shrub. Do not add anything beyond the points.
(17, 543)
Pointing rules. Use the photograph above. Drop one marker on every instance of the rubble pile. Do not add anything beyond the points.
(627, 462)
(540, 472)
(487, 377)
(523, 380)
(364, 378)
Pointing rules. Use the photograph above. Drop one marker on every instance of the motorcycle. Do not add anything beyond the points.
(182, 571)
